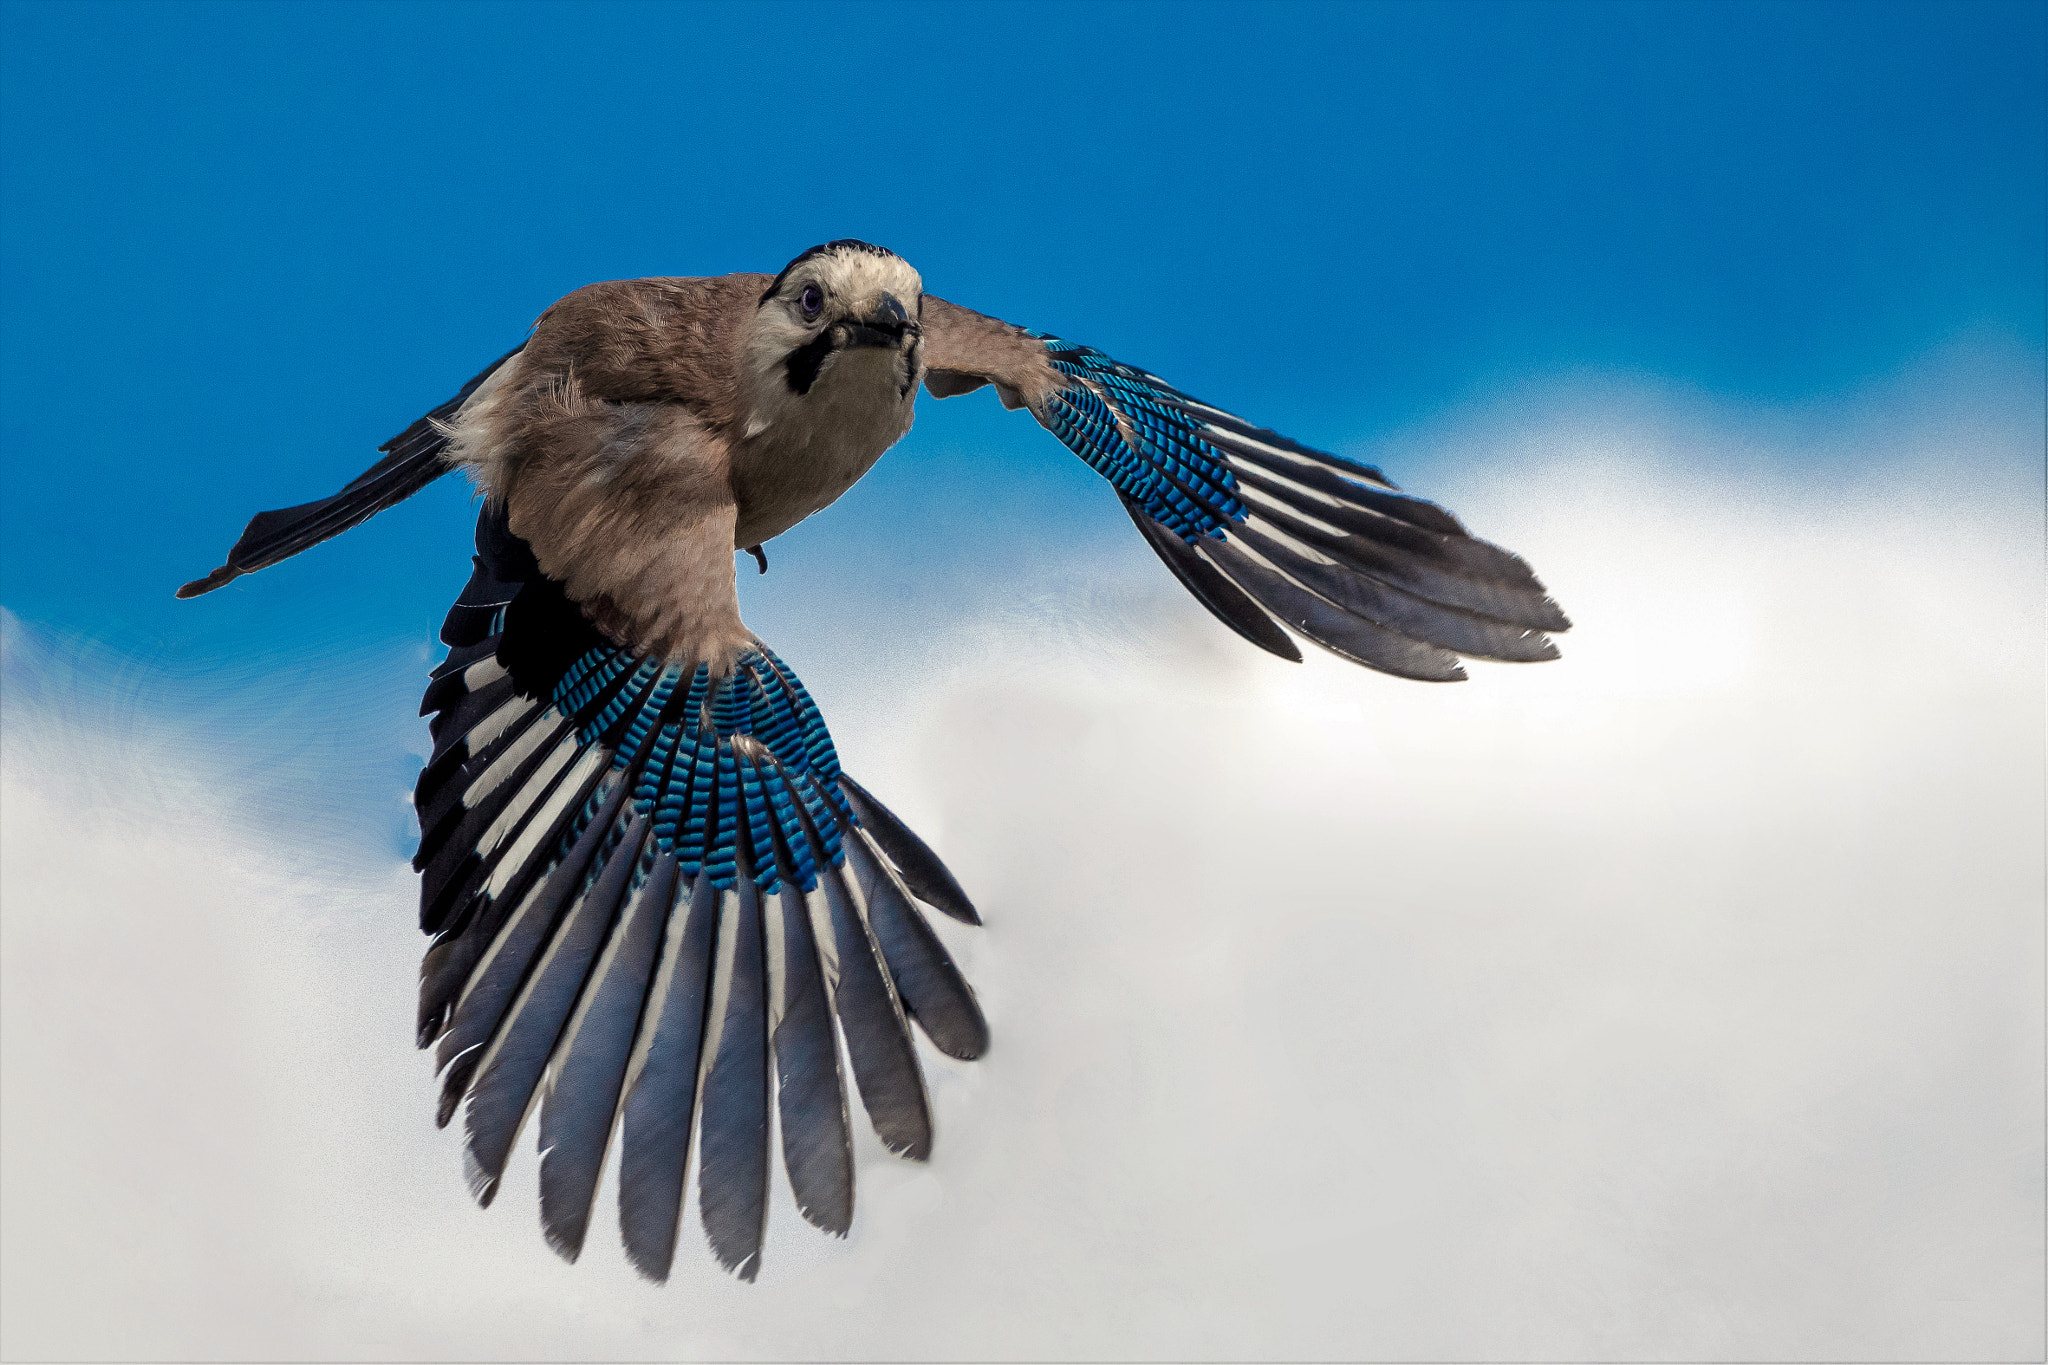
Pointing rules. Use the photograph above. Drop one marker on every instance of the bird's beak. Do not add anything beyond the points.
(881, 322)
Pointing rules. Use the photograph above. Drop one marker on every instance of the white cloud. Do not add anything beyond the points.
(1679, 1000)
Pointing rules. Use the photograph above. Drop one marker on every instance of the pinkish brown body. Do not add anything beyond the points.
(651, 427)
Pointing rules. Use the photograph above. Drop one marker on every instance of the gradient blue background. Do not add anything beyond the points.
(241, 245)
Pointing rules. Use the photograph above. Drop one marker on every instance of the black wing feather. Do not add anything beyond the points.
(467, 934)
(931, 987)
(1223, 599)
(486, 999)
(928, 878)
(413, 461)
(476, 613)
(1332, 627)
(1409, 588)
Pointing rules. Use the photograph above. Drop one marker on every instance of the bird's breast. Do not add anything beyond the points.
(813, 447)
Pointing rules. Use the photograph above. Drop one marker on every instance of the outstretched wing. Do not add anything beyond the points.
(653, 891)
(412, 460)
(1264, 531)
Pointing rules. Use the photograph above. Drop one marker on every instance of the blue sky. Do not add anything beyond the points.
(244, 244)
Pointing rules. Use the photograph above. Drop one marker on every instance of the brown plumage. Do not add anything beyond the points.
(659, 905)
(635, 448)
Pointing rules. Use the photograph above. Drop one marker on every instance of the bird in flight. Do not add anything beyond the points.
(650, 888)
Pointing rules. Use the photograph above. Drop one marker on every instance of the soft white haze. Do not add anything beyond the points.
(1679, 1000)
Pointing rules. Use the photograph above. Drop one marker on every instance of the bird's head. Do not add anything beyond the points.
(845, 312)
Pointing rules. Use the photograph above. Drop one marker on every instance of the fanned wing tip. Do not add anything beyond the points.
(1258, 526)
(1403, 614)
(605, 954)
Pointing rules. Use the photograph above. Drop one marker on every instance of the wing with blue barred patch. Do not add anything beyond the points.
(658, 906)
(1265, 532)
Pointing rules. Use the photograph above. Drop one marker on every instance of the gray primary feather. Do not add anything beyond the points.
(488, 994)
(661, 1107)
(515, 1056)
(655, 898)
(913, 858)
(733, 1149)
(931, 987)
(877, 1034)
(817, 1149)
(583, 1094)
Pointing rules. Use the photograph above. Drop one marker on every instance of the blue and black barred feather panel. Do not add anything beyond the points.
(1265, 531)
(658, 906)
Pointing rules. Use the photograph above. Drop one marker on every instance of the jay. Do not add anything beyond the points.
(656, 902)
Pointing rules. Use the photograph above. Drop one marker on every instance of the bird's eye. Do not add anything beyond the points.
(811, 300)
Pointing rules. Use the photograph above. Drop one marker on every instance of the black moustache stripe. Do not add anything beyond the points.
(803, 363)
